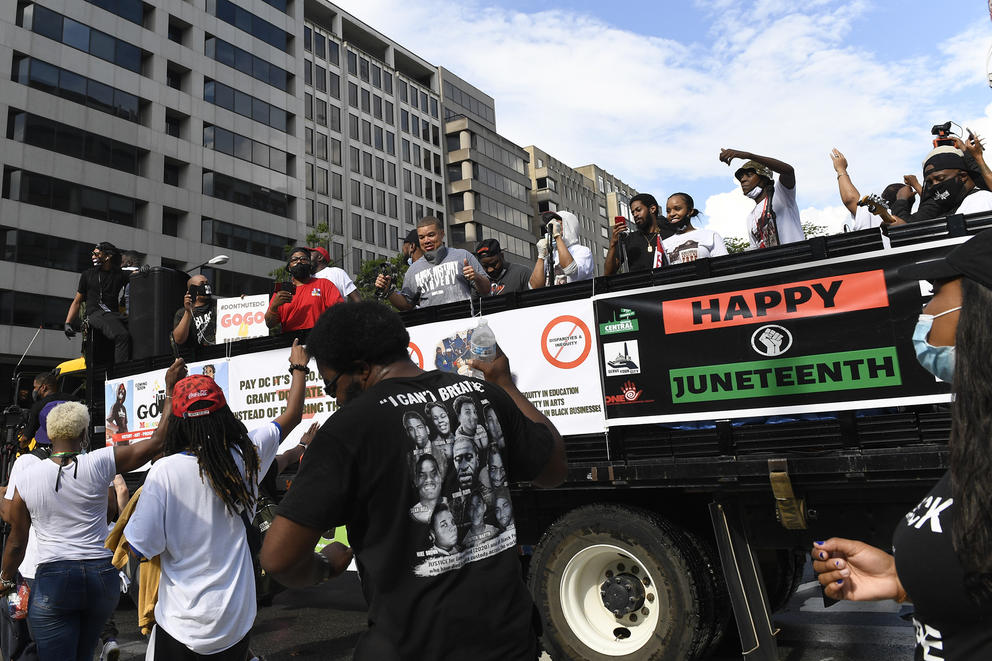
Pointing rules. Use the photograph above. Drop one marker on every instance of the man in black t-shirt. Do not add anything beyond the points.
(46, 390)
(195, 324)
(505, 276)
(643, 244)
(100, 287)
(358, 473)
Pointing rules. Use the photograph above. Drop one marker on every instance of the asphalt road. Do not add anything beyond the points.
(325, 622)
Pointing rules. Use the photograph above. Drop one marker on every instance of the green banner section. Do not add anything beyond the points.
(614, 327)
(826, 372)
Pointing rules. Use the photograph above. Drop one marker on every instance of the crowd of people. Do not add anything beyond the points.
(956, 180)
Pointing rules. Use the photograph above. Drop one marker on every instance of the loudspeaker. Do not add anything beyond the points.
(156, 294)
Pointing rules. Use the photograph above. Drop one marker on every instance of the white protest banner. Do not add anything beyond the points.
(551, 355)
(242, 317)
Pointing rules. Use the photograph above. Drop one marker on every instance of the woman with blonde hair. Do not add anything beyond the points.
(64, 499)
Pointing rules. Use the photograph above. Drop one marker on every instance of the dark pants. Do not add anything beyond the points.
(70, 602)
(16, 643)
(168, 648)
(112, 327)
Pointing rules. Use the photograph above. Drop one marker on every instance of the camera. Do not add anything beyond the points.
(387, 269)
(196, 291)
(945, 134)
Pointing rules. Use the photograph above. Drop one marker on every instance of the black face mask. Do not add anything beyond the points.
(948, 193)
(35, 395)
(436, 256)
(680, 224)
(301, 271)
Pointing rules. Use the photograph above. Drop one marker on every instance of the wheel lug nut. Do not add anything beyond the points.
(645, 611)
(633, 617)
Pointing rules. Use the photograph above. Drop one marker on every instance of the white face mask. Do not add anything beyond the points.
(755, 192)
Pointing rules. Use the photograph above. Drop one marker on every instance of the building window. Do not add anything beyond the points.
(60, 195)
(246, 194)
(68, 85)
(71, 141)
(245, 62)
(243, 239)
(244, 20)
(244, 104)
(72, 33)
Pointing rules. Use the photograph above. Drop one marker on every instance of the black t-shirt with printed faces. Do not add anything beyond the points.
(949, 625)
(418, 469)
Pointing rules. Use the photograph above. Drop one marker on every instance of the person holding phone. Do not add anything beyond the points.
(643, 242)
(195, 324)
(298, 307)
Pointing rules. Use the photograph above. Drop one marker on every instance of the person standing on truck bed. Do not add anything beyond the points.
(429, 596)
(195, 323)
(643, 245)
(775, 217)
(570, 260)
(441, 275)
(298, 309)
(101, 288)
(687, 244)
(942, 550)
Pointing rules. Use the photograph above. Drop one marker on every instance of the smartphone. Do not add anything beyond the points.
(286, 286)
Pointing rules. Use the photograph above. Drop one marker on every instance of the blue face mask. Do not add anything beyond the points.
(939, 361)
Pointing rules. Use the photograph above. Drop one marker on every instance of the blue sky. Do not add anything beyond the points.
(651, 91)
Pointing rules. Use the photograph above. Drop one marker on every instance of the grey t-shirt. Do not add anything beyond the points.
(426, 285)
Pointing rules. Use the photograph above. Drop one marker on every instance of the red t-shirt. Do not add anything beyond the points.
(309, 301)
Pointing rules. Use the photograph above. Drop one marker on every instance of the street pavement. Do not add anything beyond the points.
(324, 623)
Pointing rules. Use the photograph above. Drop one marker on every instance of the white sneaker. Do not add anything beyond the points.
(111, 651)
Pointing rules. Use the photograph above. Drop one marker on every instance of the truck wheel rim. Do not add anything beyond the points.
(582, 602)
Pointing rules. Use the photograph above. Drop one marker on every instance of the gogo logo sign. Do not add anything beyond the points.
(248, 318)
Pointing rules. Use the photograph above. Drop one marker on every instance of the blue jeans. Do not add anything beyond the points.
(70, 602)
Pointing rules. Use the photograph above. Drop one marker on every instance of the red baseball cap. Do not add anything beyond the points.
(197, 395)
(323, 253)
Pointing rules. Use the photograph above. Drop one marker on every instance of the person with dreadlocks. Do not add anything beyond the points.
(942, 558)
(195, 512)
(64, 500)
(688, 244)
(775, 217)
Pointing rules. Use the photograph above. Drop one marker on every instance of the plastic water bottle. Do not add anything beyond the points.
(483, 342)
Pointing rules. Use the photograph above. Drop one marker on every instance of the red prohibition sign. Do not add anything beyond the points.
(416, 355)
(576, 326)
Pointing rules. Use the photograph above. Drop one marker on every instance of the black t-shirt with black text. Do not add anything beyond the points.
(102, 289)
(949, 625)
(418, 469)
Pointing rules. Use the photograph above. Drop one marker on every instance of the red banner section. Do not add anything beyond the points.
(793, 300)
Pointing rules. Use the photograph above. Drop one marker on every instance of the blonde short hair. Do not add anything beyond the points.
(67, 421)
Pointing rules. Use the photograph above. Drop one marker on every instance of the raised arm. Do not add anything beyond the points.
(787, 174)
(849, 195)
(497, 372)
(181, 332)
(293, 412)
(130, 457)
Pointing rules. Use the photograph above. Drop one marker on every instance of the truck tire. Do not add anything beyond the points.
(715, 609)
(615, 583)
(782, 571)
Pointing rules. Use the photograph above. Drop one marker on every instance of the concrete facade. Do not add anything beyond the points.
(488, 186)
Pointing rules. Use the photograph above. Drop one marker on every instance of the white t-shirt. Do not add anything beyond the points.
(206, 597)
(71, 523)
(30, 561)
(980, 200)
(790, 228)
(692, 245)
(338, 277)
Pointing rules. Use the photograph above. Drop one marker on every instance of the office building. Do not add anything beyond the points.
(187, 129)
(488, 185)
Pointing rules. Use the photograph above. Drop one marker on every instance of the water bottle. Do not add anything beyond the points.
(483, 342)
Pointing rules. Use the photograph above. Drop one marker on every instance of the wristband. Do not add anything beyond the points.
(297, 366)
(325, 570)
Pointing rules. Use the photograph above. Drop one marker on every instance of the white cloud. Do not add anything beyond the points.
(725, 213)
(774, 77)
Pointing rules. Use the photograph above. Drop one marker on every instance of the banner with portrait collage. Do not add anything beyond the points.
(791, 340)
